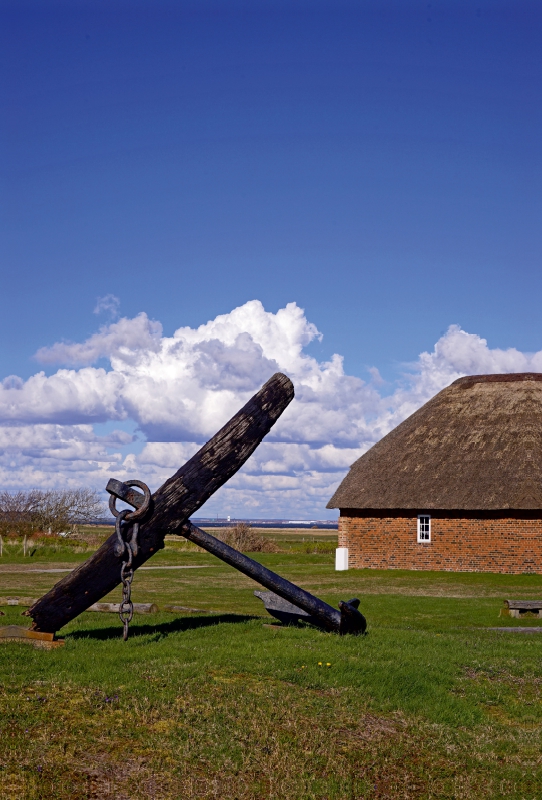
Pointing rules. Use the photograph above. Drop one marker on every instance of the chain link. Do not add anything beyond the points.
(128, 548)
(126, 608)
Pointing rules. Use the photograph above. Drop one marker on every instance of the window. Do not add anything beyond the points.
(424, 528)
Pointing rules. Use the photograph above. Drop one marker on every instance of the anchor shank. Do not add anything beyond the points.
(327, 615)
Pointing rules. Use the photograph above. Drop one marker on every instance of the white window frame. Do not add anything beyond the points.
(424, 536)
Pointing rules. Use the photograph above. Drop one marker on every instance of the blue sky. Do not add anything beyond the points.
(376, 163)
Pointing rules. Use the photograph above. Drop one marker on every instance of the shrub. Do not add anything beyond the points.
(243, 537)
(53, 511)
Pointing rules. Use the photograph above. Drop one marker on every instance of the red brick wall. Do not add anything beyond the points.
(483, 542)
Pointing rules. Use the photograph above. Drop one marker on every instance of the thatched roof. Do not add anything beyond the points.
(477, 445)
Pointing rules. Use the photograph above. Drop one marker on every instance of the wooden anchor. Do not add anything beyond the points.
(173, 504)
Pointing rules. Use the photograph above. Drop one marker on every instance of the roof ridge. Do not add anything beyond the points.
(499, 377)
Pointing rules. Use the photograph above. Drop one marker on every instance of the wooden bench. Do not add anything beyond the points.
(522, 608)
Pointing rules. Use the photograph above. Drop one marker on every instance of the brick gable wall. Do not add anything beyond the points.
(483, 542)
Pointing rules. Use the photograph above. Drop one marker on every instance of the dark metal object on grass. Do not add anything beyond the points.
(288, 614)
(347, 620)
(281, 609)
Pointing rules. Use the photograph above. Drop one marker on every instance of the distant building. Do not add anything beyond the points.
(456, 486)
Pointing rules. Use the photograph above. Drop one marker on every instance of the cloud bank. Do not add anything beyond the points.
(179, 390)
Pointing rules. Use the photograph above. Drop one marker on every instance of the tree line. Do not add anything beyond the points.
(49, 511)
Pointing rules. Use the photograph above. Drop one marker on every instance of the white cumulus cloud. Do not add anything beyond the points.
(180, 390)
(126, 338)
(56, 456)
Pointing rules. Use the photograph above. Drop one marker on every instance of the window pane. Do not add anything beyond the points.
(424, 528)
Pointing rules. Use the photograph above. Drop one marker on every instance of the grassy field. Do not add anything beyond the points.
(433, 703)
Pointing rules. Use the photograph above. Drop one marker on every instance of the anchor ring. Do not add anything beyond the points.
(133, 516)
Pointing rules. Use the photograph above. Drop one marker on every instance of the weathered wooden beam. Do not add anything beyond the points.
(114, 608)
(175, 501)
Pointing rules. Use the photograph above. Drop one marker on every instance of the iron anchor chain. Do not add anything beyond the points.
(127, 530)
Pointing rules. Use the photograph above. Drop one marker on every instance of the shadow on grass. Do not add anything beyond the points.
(161, 629)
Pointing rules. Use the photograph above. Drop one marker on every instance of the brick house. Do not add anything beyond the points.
(456, 486)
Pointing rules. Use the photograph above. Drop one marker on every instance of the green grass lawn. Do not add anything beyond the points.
(432, 703)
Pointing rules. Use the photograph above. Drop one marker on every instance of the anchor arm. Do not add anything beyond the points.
(347, 620)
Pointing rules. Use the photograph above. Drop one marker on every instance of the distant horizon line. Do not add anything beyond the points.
(259, 521)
